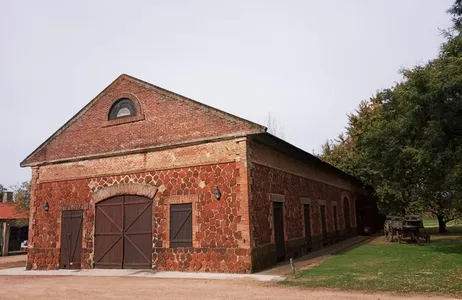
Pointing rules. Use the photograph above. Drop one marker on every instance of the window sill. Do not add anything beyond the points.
(123, 120)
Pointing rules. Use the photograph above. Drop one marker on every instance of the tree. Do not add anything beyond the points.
(23, 195)
(274, 127)
(407, 141)
(22, 192)
(2, 189)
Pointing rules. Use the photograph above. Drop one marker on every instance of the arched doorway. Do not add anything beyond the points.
(123, 233)
(346, 215)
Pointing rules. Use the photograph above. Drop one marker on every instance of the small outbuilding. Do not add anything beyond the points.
(13, 225)
(142, 177)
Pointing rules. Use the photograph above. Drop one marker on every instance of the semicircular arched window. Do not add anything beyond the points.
(122, 108)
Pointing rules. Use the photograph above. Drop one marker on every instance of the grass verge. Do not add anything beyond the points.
(392, 267)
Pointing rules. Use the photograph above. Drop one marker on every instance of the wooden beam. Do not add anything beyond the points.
(6, 238)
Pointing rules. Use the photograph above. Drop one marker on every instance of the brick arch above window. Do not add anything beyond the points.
(139, 189)
(139, 116)
(345, 194)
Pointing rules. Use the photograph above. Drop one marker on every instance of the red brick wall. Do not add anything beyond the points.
(165, 118)
(274, 173)
(221, 244)
(293, 188)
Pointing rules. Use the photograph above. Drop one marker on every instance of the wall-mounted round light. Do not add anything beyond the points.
(217, 193)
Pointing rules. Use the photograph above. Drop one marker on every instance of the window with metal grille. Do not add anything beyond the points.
(122, 108)
(180, 225)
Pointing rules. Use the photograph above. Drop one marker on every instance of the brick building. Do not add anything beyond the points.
(13, 225)
(142, 177)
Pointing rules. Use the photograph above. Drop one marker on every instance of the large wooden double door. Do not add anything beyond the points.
(123, 233)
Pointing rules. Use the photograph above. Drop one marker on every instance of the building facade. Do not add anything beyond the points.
(13, 225)
(145, 178)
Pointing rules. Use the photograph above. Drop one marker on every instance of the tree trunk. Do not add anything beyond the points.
(441, 224)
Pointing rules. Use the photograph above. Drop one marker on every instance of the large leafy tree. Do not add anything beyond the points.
(2, 189)
(407, 141)
(22, 197)
(22, 192)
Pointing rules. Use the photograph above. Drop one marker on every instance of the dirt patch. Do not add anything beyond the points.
(12, 258)
(379, 240)
(15, 264)
(443, 236)
(315, 263)
(62, 288)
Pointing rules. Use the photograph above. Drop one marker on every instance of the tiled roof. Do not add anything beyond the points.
(10, 211)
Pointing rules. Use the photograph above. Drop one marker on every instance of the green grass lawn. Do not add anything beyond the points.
(379, 266)
(434, 223)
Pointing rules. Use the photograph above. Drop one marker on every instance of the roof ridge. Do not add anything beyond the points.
(147, 85)
(181, 97)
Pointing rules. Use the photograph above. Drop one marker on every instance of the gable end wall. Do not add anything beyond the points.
(221, 241)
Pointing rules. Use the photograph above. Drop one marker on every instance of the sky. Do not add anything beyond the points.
(307, 63)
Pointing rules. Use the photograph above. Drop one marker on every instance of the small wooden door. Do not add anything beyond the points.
(307, 219)
(346, 215)
(71, 239)
(335, 222)
(278, 215)
(323, 224)
(123, 233)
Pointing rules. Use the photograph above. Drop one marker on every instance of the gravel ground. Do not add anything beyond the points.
(53, 287)
(12, 258)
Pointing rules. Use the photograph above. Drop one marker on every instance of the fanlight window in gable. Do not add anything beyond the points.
(122, 108)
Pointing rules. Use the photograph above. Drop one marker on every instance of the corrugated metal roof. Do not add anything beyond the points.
(10, 211)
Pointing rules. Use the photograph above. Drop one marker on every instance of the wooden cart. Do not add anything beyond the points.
(398, 228)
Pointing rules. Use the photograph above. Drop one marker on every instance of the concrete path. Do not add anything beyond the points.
(12, 258)
(315, 257)
(276, 273)
(137, 273)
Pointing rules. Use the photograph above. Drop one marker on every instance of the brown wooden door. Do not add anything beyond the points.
(307, 217)
(323, 224)
(335, 223)
(346, 215)
(123, 233)
(181, 225)
(137, 233)
(71, 239)
(278, 215)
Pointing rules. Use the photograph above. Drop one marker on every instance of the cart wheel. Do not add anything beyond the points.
(427, 238)
(389, 237)
(416, 238)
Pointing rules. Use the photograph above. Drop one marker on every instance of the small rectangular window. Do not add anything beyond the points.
(181, 225)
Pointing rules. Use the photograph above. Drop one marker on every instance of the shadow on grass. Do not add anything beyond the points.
(449, 243)
(448, 246)
(452, 231)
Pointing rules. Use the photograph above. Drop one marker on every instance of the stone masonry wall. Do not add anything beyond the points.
(221, 241)
(268, 181)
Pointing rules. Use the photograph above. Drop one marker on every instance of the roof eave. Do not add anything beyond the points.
(300, 154)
